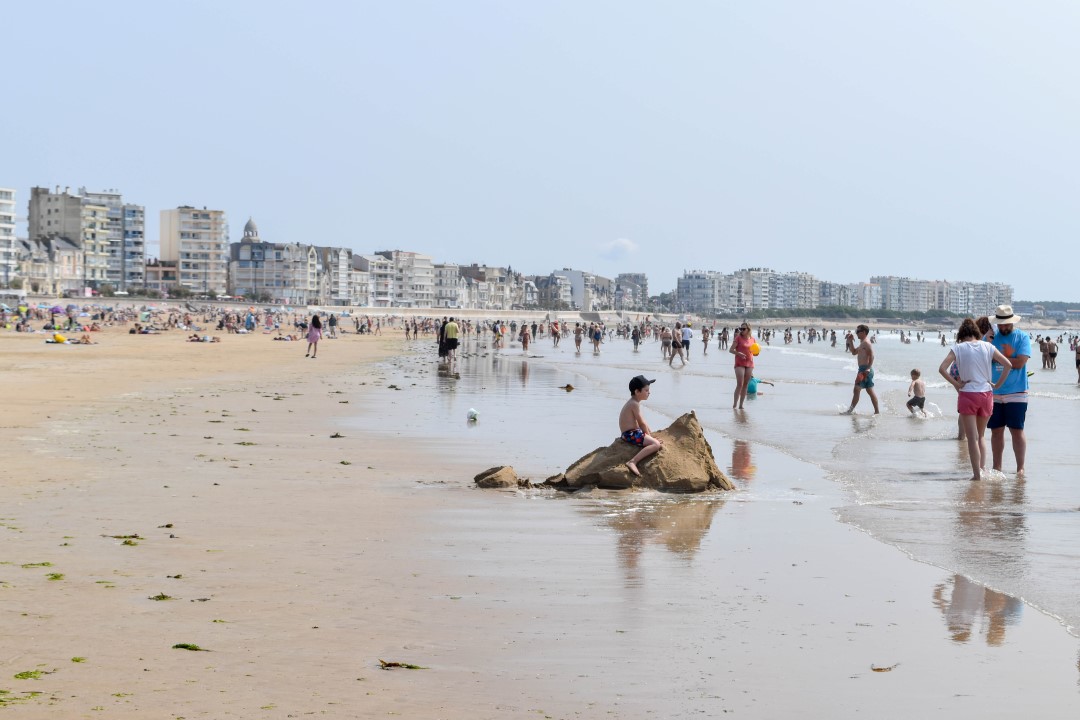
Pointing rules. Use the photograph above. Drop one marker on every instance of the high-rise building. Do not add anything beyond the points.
(414, 278)
(198, 241)
(631, 291)
(78, 220)
(8, 258)
(449, 286)
(696, 291)
(126, 233)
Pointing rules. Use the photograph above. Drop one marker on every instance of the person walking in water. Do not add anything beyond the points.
(744, 363)
(864, 378)
(314, 335)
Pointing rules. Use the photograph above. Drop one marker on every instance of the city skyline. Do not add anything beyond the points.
(88, 215)
(847, 140)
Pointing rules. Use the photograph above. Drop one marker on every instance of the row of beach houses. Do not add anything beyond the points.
(80, 243)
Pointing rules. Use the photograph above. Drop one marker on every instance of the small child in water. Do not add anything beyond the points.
(917, 392)
(632, 425)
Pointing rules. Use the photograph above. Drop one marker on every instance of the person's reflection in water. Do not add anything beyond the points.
(524, 372)
(971, 607)
(991, 524)
(742, 466)
(991, 518)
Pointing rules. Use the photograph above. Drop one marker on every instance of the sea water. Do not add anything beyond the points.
(903, 478)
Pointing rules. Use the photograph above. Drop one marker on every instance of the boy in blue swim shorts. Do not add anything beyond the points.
(632, 425)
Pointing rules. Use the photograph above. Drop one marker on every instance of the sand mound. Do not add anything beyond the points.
(685, 464)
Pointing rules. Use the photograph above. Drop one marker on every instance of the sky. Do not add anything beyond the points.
(928, 139)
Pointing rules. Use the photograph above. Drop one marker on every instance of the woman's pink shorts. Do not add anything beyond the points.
(979, 404)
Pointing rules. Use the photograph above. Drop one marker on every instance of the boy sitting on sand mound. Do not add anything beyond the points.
(633, 426)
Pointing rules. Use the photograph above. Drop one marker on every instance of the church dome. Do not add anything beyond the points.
(250, 230)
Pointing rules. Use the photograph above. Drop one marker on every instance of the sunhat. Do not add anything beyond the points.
(1004, 315)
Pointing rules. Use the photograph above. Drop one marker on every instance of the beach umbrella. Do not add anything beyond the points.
(57, 310)
(4, 306)
(72, 307)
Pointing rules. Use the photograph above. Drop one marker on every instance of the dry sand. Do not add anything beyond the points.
(299, 560)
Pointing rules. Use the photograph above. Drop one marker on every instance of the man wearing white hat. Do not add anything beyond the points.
(1011, 399)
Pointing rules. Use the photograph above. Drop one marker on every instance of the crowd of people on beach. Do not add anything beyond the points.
(987, 397)
(986, 365)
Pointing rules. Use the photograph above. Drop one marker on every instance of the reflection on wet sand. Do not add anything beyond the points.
(742, 464)
(989, 519)
(679, 523)
(971, 608)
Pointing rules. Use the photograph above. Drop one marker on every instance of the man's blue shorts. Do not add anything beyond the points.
(1010, 415)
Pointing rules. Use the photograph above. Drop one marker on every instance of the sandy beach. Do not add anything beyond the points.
(275, 512)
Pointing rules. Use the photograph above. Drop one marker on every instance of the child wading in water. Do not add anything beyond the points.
(917, 392)
(633, 426)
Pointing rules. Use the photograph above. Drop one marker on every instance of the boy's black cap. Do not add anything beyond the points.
(638, 382)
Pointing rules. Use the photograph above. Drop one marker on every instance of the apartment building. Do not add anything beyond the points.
(696, 291)
(198, 241)
(9, 260)
(591, 293)
(794, 290)
(77, 219)
(125, 227)
(414, 278)
(52, 265)
(380, 274)
(631, 291)
(449, 286)
(335, 265)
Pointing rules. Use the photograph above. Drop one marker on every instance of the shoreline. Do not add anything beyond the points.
(518, 603)
(567, 316)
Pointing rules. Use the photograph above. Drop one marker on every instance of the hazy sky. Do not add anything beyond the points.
(932, 139)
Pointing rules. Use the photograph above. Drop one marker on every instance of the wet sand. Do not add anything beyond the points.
(299, 560)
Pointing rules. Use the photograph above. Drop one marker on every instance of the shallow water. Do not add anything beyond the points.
(903, 479)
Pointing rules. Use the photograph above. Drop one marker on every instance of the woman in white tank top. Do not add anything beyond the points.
(975, 402)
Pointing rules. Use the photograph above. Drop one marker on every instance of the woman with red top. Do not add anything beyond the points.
(744, 363)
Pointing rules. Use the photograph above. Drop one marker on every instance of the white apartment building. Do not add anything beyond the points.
(449, 286)
(125, 226)
(969, 298)
(867, 296)
(198, 241)
(361, 287)
(8, 252)
(794, 291)
(589, 293)
(631, 291)
(696, 291)
(756, 288)
(905, 294)
(380, 271)
(831, 294)
(414, 278)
